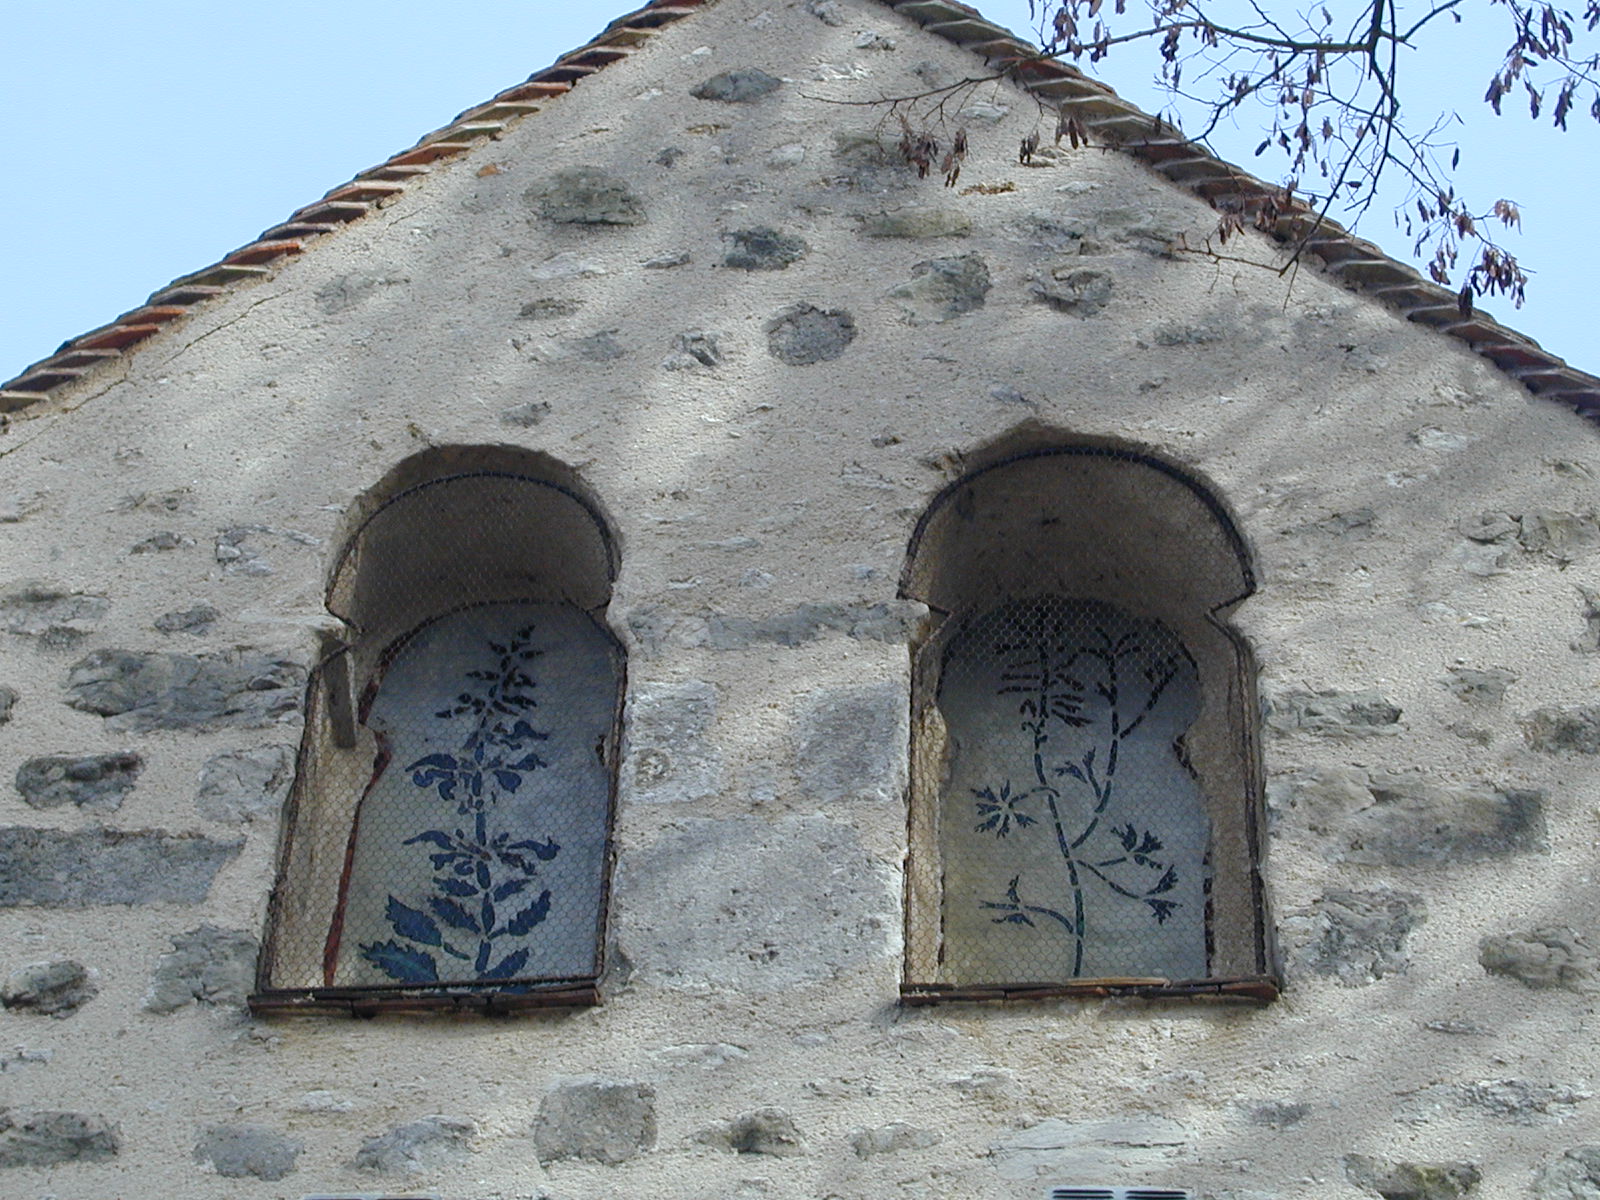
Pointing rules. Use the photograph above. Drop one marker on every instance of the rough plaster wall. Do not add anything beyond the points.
(758, 1050)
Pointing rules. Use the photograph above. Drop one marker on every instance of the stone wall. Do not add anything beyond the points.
(766, 345)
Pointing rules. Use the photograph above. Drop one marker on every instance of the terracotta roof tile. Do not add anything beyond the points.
(1356, 263)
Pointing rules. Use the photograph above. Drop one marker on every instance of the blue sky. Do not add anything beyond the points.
(147, 140)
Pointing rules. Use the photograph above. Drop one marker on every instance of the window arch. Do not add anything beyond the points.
(447, 842)
(1086, 798)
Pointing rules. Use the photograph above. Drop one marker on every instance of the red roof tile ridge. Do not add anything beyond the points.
(1358, 264)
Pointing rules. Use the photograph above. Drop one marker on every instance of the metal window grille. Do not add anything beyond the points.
(448, 838)
(1085, 794)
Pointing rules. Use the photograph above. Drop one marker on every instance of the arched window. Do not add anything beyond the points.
(447, 840)
(1086, 801)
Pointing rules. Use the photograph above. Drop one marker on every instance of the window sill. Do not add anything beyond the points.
(366, 1002)
(1261, 989)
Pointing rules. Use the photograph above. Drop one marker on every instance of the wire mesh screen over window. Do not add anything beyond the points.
(450, 823)
(1073, 833)
(1085, 795)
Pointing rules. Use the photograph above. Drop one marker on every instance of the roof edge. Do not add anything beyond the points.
(1357, 264)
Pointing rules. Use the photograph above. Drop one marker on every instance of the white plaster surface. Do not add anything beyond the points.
(750, 488)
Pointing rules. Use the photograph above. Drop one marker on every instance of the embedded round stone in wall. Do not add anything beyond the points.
(1480, 687)
(141, 690)
(55, 616)
(54, 868)
(586, 196)
(738, 86)
(245, 785)
(236, 1151)
(1332, 713)
(97, 781)
(916, 223)
(1548, 957)
(891, 1139)
(1573, 1176)
(762, 249)
(601, 1120)
(1080, 291)
(803, 334)
(769, 1130)
(694, 348)
(44, 1139)
(205, 966)
(56, 989)
(421, 1145)
(1355, 937)
(1564, 730)
(8, 701)
(196, 620)
(941, 289)
(1412, 1180)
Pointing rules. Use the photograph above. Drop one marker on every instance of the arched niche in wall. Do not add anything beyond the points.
(448, 835)
(1086, 796)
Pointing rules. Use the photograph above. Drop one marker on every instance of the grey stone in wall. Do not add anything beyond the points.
(240, 548)
(236, 1151)
(694, 348)
(144, 690)
(586, 196)
(157, 542)
(57, 989)
(671, 757)
(549, 308)
(31, 1138)
(1080, 291)
(1060, 1149)
(205, 966)
(769, 1130)
(416, 1146)
(1589, 641)
(1412, 1180)
(891, 1139)
(941, 289)
(916, 223)
(1574, 730)
(18, 506)
(95, 781)
(1560, 535)
(775, 904)
(345, 292)
(803, 334)
(762, 249)
(53, 615)
(1354, 937)
(825, 11)
(1404, 821)
(1487, 686)
(1573, 1176)
(739, 86)
(1522, 1102)
(53, 868)
(526, 415)
(602, 1120)
(808, 622)
(198, 619)
(8, 701)
(1332, 713)
(1547, 957)
(1277, 1115)
(851, 743)
(245, 785)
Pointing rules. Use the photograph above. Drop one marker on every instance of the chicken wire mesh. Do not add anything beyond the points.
(451, 816)
(1085, 782)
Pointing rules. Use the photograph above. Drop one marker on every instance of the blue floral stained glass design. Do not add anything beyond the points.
(479, 849)
(1073, 834)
